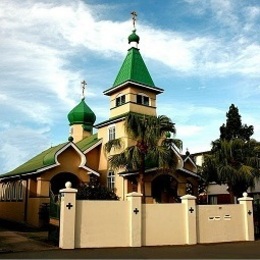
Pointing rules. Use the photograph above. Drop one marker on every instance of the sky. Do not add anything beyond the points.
(205, 54)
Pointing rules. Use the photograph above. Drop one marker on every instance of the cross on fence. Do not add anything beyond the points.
(135, 210)
(69, 205)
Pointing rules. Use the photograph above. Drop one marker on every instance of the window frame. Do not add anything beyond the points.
(142, 99)
(111, 180)
(120, 100)
(111, 132)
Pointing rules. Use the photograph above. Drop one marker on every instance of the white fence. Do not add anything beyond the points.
(92, 224)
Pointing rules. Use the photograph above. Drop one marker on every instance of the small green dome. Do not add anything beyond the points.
(70, 139)
(82, 114)
(133, 37)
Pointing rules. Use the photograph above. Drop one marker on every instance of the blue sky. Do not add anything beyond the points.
(205, 54)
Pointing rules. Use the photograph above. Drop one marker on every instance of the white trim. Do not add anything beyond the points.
(90, 171)
(83, 157)
(93, 146)
(188, 157)
(155, 89)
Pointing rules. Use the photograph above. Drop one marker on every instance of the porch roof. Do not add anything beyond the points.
(47, 158)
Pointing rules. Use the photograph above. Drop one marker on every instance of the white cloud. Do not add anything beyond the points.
(48, 47)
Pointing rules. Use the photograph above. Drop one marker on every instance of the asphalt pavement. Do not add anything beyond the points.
(17, 243)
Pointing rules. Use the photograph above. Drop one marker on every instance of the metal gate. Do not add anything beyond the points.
(256, 207)
(54, 218)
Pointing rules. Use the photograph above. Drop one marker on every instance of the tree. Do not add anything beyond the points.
(234, 158)
(149, 145)
(234, 128)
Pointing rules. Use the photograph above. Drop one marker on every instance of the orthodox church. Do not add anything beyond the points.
(32, 184)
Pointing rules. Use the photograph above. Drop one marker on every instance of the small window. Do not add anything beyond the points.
(213, 200)
(120, 100)
(142, 99)
(111, 180)
(111, 133)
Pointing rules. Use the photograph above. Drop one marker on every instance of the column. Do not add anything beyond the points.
(135, 218)
(190, 218)
(67, 217)
(248, 216)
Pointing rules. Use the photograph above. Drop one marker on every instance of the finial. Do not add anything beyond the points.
(83, 85)
(134, 15)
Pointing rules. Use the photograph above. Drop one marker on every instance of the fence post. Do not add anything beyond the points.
(67, 217)
(135, 218)
(190, 218)
(248, 216)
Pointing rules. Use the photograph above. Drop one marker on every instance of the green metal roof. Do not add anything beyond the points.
(88, 142)
(44, 159)
(47, 157)
(134, 69)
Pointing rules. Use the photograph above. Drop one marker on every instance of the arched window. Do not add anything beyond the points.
(2, 187)
(120, 100)
(20, 190)
(111, 180)
(142, 99)
(13, 191)
(8, 191)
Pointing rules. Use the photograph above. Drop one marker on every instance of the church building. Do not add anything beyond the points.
(25, 189)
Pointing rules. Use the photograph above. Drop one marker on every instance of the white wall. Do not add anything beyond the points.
(102, 224)
(220, 223)
(162, 225)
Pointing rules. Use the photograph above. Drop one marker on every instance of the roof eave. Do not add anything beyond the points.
(113, 89)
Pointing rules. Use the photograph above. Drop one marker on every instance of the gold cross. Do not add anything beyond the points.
(134, 15)
(83, 84)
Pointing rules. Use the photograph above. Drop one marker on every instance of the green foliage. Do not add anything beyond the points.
(234, 157)
(95, 192)
(233, 127)
(148, 132)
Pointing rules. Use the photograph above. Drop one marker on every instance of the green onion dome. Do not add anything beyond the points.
(133, 37)
(82, 114)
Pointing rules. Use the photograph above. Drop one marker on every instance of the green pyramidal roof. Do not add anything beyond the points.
(134, 69)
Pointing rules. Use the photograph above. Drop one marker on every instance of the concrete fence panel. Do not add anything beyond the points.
(161, 224)
(102, 224)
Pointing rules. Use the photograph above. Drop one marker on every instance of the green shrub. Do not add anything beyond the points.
(95, 192)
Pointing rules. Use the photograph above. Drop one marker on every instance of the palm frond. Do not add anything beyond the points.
(113, 144)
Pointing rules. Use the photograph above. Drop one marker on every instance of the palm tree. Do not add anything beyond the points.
(233, 162)
(147, 134)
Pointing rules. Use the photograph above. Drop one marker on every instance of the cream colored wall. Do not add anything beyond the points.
(78, 133)
(102, 224)
(13, 211)
(163, 224)
(220, 223)
(69, 162)
(33, 211)
(130, 94)
(103, 165)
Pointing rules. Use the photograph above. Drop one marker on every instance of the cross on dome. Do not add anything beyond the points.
(83, 85)
(134, 15)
